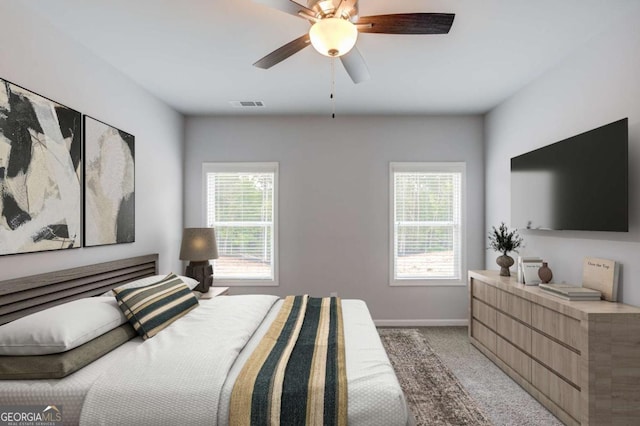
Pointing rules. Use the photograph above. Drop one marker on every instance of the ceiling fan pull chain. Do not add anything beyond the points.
(333, 88)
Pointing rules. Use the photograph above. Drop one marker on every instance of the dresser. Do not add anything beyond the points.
(581, 360)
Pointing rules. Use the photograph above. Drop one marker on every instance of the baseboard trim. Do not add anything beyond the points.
(421, 323)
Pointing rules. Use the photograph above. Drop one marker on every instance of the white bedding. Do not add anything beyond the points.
(192, 344)
(68, 392)
(176, 377)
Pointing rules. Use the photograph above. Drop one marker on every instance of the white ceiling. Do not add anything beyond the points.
(196, 55)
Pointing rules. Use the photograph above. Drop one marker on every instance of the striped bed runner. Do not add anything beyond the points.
(297, 374)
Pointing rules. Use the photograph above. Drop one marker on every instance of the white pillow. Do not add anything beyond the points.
(60, 328)
(190, 282)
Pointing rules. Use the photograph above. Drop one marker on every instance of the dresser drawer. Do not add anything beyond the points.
(557, 325)
(514, 331)
(515, 306)
(484, 335)
(560, 359)
(514, 358)
(556, 389)
(484, 313)
(484, 292)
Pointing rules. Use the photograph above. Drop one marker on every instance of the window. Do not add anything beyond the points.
(427, 223)
(241, 204)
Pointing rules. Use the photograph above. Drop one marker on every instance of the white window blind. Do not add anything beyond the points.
(241, 206)
(426, 222)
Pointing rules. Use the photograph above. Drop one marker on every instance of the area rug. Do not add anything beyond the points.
(433, 393)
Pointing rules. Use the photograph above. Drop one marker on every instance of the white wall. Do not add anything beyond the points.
(598, 84)
(37, 56)
(334, 199)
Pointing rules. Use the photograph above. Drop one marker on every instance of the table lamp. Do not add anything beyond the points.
(198, 246)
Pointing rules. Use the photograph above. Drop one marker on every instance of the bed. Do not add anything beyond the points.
(186, 373)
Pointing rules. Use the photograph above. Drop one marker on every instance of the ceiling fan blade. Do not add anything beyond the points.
(283, 52)
(288, 6)
(356, 66)
(407, 23)
(346, 6)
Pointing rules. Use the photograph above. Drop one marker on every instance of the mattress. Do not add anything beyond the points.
(374, 395)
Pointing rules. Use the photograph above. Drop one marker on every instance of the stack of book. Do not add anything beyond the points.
(571, 292)
(528, 270)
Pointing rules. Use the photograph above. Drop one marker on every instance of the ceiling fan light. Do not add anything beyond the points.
(333, 36)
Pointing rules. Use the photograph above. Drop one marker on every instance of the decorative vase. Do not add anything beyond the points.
(505, 262)
(545, 273)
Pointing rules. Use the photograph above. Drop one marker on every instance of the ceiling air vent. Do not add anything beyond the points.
(246, 104)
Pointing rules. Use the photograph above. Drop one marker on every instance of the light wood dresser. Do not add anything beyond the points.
(581, 360)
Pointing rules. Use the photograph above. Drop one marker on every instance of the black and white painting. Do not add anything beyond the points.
(109, 187)
(40, 173)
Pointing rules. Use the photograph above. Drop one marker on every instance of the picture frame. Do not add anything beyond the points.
(601, 275)
(109, 184)
(40, 172)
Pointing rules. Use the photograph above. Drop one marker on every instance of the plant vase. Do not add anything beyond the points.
(505, 262)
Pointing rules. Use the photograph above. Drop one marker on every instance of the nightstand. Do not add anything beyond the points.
(214, 292)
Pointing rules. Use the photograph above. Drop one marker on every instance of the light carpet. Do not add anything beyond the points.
(499, 397)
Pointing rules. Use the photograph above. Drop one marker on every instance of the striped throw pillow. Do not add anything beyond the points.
(152, 308)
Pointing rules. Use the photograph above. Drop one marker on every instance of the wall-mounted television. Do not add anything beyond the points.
(580, 183)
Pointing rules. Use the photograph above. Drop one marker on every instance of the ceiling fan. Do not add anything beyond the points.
(335, 27)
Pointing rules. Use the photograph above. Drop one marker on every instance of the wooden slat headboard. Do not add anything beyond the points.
(23, 296)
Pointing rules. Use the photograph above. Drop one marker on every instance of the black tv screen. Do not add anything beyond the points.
(580, 183)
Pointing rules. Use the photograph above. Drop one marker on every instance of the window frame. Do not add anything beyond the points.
(245, 167)
(428, 167)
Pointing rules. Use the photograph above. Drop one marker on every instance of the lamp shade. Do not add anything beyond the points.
(198, 244)
(333, 36)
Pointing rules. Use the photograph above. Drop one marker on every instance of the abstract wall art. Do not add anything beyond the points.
(40, 173)
(109, 186)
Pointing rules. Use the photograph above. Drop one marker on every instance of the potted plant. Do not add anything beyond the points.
(504, 241)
